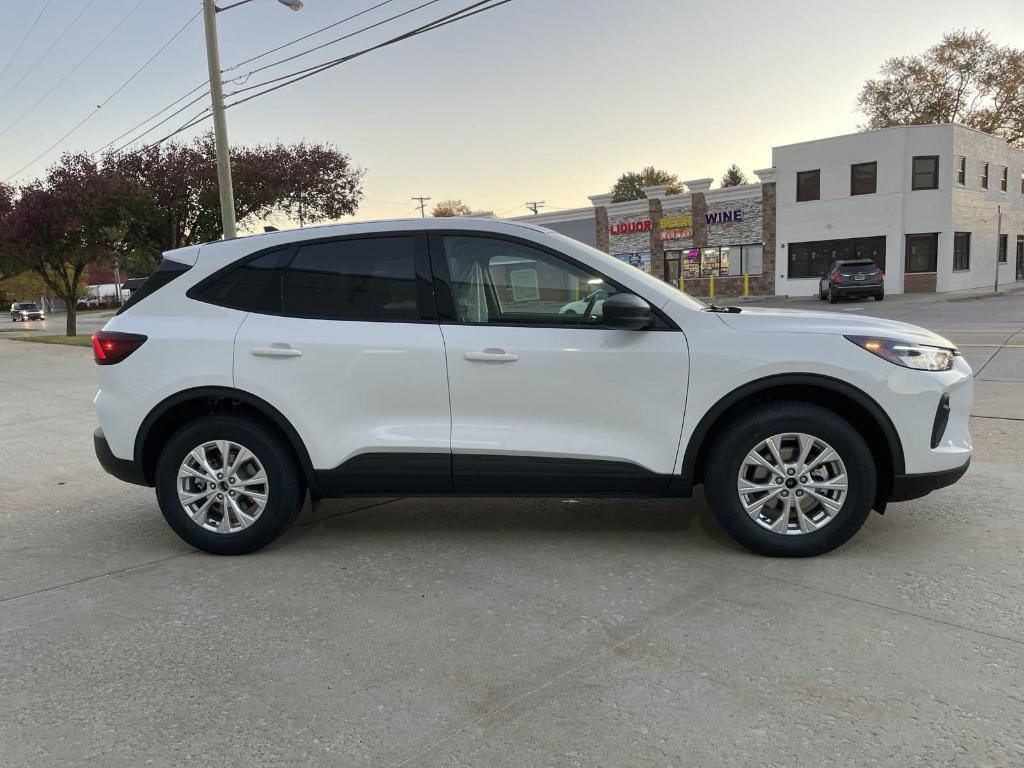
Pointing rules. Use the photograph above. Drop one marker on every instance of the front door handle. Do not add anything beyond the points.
(276, 350)
(491, 356)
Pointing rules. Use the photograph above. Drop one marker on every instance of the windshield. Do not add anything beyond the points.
(28, 306)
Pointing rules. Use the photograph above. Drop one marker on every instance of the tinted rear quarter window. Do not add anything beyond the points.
(370, 279)
(250, 286)
(162, 275)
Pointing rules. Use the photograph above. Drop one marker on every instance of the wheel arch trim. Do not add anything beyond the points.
(226, 393)
(701, 432)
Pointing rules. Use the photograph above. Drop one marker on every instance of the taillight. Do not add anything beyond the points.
(839, 278)
(881, 275)
(111, 347)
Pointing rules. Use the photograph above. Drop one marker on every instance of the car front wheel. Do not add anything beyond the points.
(228, 485)
(790, 480)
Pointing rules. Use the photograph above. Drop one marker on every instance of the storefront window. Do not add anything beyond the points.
(641, 260)
(812, 259)
(922, 252)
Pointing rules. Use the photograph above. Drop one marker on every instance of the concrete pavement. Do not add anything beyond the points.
(507, 632)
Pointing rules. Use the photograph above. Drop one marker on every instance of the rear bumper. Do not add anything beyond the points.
(906, 487)
(123, 469)
(857, 289)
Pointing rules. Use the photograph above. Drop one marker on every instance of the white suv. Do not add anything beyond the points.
(433, 357)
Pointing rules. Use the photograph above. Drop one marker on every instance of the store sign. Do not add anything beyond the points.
(724, 217)
(676, 222)
(630, 227)
(680, 233)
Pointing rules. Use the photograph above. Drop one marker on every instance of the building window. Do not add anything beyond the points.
(961, 170)
(961, 251)
(1002, 248)
(863, 178)
(984, 175)
(925, 172)
(1004, 177)
(812, 259)
(922, 253)
(808, 185)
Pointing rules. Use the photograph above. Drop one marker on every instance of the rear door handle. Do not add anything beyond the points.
(276, 350)
(491, 356)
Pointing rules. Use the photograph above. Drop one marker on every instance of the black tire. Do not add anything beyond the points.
(821, 295)
(285, 494)
(879, 296)
(832, 298)
(740, 436)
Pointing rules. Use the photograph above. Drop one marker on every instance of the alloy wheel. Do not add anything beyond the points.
(222, 486)
(792, 483)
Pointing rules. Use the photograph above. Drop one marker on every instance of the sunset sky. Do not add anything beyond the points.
(532, 101)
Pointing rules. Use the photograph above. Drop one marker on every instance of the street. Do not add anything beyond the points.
(498, 632)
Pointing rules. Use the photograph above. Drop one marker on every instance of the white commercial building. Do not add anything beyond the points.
(936, 206)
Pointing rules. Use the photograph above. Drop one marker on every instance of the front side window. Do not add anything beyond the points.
(1003, 245)
(922, 252)
(368, 279)
(864, 178)
(501, 282)
(925, 172)
(808, 185)
(984, 175)
(961, 251)
(961, 170)
(1004, 177)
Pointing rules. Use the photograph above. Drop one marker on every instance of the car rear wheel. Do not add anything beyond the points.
(790, 480)
(228, 485)
(879, 296)
(832, 298)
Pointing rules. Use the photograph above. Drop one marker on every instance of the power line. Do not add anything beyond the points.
(422, 206)
(302, 74)
(332, 42)
(306, 37)
(534, 205)
(155, 125)
(106, 101)
(25, 38)
(436, 24)
(74, 68)
(46, 53)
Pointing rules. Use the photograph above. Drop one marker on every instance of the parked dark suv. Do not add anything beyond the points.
(853, 280)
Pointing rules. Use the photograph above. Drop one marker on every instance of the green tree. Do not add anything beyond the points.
(630, 185)
(965, 78)
(734, 176)
(450, 208)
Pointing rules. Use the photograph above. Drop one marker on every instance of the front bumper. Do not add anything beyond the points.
(906, 487)
(123, 469)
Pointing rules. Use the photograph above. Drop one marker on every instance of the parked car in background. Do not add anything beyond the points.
(26, 310)
(88, 302)
(852, 279)
(432, 357)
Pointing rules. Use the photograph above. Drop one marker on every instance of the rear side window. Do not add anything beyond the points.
(250, 287)
(162, 275)
(372, 279)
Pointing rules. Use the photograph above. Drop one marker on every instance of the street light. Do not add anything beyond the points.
(220, 126)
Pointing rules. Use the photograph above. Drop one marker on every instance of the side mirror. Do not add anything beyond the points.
(627, 312)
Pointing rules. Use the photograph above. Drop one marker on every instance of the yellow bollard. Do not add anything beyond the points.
(711, 286)
(746, 284)
(682, 284)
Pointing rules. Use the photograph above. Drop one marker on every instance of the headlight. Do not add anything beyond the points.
(909, 354)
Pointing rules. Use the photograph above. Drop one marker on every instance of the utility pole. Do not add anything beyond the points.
(220, 125)
(535, 206)
(423, 206)
(999, 240)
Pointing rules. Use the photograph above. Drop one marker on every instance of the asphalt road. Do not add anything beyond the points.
(508, 632)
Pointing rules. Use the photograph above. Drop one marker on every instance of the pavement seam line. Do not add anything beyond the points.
(994, 354)
(131, 568)
(548, 683)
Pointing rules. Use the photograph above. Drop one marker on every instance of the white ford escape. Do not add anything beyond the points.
(433, 357)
